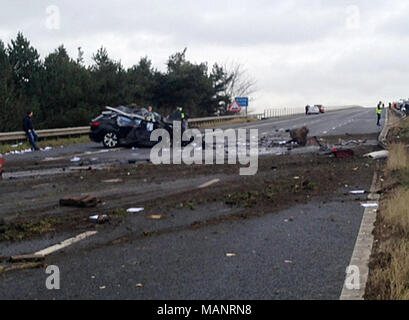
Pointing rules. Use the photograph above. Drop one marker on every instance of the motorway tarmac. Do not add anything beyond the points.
(274, 259)
(297, 252)
(348, 121)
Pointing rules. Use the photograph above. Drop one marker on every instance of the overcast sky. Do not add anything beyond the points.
(300, 52)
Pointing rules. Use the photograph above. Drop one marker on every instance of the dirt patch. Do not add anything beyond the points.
(280, 181)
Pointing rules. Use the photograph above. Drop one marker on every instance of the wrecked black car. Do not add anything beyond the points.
(126, 126)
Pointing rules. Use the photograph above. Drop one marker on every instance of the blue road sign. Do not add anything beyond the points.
(243, 101)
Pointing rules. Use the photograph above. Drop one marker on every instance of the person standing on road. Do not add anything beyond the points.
(150, 118)
(183, 118)
(307, 108)
(28, 128)
(379, 113)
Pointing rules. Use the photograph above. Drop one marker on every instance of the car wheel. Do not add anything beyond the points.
(110, 140)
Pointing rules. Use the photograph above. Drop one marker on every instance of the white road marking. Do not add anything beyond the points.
(66, 243)
(363, 247)
(209, 183)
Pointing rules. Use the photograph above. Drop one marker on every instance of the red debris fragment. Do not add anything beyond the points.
(343, 153)
(2, 161)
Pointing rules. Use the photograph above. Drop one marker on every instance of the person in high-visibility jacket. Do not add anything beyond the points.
(183, 117)
(379, 113)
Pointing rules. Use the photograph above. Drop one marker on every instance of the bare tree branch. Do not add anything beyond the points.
(241, 84)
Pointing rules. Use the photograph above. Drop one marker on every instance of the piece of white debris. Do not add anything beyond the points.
(369, 205)
(134, 210)
(357, 192)
(378, 155)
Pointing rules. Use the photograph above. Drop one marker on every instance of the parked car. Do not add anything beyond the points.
(320, 107)
(125, 126)
(316, 109)
(313, 110)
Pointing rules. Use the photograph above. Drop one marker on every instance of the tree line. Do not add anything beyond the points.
(63, 91)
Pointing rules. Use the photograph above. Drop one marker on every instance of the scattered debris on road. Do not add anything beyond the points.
(378, 155)
(82, 202)
(230, 255)
(299, 136)
(156, 217)
(100, 219)
(357, 192)
(342, 153)
(134, 210)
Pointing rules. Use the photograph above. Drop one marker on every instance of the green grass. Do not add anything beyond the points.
(17, 231)
(226, 122)
(5, 148)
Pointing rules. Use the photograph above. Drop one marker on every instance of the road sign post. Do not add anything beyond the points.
(235, 107)
(243, 102)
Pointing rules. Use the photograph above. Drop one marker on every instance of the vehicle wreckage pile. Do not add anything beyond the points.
(277, 142)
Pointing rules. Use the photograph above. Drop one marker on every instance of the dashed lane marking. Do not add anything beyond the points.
(66, 243)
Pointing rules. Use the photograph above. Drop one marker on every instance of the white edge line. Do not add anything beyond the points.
(363, 249)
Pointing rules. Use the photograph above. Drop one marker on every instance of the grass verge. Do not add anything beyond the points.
(391, 282)
(398, 157)
(389, 272)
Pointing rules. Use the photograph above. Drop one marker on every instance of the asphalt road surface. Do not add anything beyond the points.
(348, 121)
(298, 252)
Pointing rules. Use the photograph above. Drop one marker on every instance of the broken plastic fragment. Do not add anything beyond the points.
(99, 218)
(75, 159)
(357, 192)
(230, 254)
(378, 154)
(156, 217)
(369, 205)
(134, 210)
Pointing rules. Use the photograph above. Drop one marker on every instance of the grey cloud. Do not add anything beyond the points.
(297, 49)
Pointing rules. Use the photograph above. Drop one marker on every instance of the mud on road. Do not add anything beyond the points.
(30, 207)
